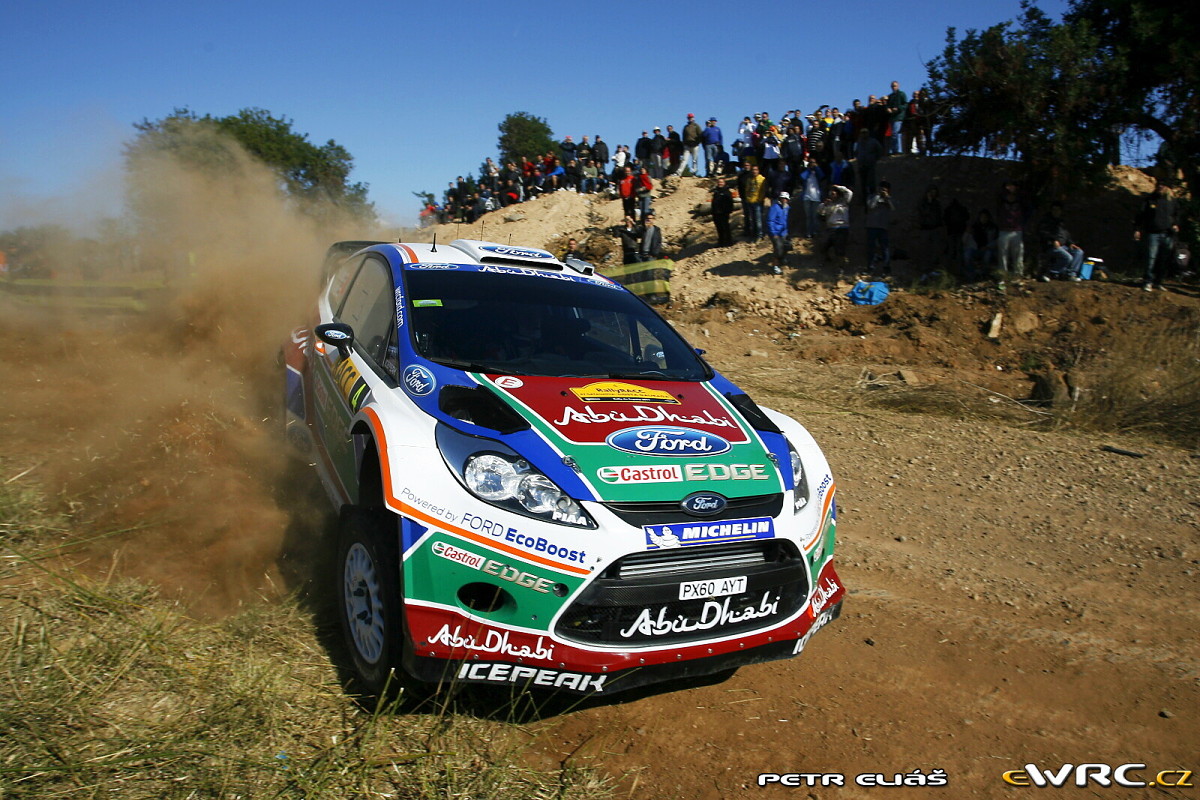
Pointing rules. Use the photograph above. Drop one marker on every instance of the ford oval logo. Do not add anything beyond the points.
(418, 381)
(657, 440)
(517, 252)
(704, 504)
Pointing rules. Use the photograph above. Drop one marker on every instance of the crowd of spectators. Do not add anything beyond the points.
(781, 150)
(797, 176)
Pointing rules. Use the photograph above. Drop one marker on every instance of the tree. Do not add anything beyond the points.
(523, 134)
(317, 178)
(1058, 97)
(1152, 47)
(1028, 92)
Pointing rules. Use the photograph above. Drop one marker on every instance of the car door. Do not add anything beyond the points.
(368, 307)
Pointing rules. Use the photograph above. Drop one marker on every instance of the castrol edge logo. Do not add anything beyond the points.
(674, 473)
(452, 553)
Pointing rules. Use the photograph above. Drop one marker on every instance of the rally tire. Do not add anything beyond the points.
(370, 603)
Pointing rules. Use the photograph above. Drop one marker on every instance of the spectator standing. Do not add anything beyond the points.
(641, 149)
(836, 213)
(897, 106)
(566, 149)
(753, 190)
(722, 209)
(980, 244)
(931, 229)
(692, 133)
(777, 229)
(674, 151)
(810, 179)
(867, 152)
(793, 152)
(620, 161)
(744, 147)
(584, 151)
(600, 153)
(627, 188)
(658, 149)
(878, 222)
(713, 142)
(877, 119)
(645, 193)
(627, 232)
(1011, 215)
(957, 218)
(649, 240)
(1155, 227)
(772, 145)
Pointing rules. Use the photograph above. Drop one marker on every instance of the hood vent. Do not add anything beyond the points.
(479, 405)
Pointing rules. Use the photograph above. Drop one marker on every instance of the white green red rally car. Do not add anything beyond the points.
(542, 485)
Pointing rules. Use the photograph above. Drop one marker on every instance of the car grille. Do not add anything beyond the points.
(662, 512)
(636, 600)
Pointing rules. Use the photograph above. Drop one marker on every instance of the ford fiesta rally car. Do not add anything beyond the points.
(542, 485)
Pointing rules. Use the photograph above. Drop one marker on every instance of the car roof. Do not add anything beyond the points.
(474, 251)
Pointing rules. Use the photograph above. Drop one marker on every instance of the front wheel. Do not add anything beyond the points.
(370, 600)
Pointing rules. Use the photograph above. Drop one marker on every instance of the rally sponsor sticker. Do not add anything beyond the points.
(619, 392)
(686, 534)
(658, 440)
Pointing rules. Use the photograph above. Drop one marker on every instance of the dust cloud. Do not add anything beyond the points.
(159, 433)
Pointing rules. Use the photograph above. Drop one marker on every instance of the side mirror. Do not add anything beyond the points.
(338, 334)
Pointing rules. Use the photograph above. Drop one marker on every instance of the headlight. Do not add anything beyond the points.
(492, 477)
(799, 480)
(513, 483)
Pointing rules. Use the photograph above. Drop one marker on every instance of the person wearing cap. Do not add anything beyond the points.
(777, 229)
(713, 143)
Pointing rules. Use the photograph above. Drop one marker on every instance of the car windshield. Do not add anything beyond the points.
(535, 325)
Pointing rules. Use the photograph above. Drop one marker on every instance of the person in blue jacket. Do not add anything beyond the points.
(777, 229)
(711, 138)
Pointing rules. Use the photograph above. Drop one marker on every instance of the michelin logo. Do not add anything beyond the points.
(683, 534)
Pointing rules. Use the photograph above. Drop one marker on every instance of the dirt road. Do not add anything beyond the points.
(1015, 598)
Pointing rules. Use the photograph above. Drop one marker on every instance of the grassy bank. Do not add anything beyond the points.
(110, 690)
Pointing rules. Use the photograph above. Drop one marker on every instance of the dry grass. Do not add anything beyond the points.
(1148, 384)
(109, 690)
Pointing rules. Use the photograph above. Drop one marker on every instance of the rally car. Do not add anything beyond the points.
(542, 485)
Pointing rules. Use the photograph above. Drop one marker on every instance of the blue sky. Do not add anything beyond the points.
(414, 90)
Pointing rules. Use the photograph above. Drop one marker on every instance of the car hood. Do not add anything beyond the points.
(647, 440)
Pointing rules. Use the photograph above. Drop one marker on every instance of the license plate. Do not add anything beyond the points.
(717, 587)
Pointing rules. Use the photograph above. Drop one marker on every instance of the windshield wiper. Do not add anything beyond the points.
(651, 375)
(473, 366)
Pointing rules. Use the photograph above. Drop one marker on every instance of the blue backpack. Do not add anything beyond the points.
(868, 294)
